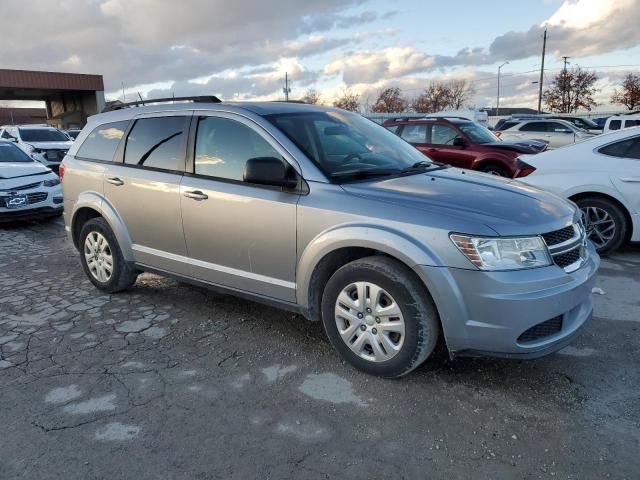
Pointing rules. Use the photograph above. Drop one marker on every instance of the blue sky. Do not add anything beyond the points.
(241, 49)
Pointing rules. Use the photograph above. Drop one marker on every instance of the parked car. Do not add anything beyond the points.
(325, 213)
(618, 122)
(46, 145)
(602, 175)
(600, 121)
(28, 189)
(557, 133)
(465, 144)
(73, 133)
(583, 123)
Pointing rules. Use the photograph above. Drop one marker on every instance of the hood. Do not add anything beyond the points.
(22, 169)
(520, 146)
(51, 145)
(505, 206)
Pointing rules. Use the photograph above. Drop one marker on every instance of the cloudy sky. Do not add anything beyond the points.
(241, 49)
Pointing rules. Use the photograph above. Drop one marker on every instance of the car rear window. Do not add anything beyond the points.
(102, 142)
(42, 135)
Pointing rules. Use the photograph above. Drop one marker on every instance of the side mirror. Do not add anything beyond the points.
(269, 171)
(459, 142)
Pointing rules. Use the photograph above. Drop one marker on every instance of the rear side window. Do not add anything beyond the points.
(157, 143)
(615, 124)
(414, 133)
(506, 126)
(631, 123)
(558, 128)
(223, 146)
(629, 148)
(534, 127)
(102, 142)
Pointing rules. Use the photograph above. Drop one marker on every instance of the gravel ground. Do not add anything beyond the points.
(169, 381)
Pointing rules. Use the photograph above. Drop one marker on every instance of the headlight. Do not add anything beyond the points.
(51, 183)
(503, 253)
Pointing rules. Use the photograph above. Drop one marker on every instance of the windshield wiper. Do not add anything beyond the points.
(424, 166)
(376, 172)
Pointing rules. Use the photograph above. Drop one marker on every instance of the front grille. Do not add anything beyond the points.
(21, 187)
(36, 197)
(559, 236)
(542, 330)
(567, 258)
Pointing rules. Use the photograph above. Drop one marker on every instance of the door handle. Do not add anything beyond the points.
(631, 179)
(196, 195)
(115, 181)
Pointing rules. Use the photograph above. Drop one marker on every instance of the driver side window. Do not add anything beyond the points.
(442, 134)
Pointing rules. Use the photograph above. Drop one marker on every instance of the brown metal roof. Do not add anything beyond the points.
(50, 80)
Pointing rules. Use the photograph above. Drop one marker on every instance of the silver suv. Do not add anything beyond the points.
(322, 212)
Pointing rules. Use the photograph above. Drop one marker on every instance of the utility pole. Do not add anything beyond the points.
(498, 96)
(286, 89)
(544, 48)
(123, 97)
(565, 86)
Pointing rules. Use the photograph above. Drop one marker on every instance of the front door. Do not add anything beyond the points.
(144, 189)
(238, 235)
(440, 139)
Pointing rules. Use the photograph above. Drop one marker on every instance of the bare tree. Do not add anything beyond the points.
(460, 93)
(571, 90)
(390, 100)
(347, 101)
(435, 98)
(312, 96)
(629, 95)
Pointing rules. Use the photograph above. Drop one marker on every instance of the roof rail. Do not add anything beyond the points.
(196, 99)
(428, 117)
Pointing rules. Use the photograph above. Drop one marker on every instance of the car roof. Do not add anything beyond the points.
(258, 108)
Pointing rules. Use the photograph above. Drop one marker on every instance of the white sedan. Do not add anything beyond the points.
(602, 175)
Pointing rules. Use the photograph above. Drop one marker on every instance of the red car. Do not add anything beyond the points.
(462, 143)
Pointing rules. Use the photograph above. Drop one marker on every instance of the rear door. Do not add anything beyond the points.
(624, 163)
(143, 186)
(559, 135)
(416, 135)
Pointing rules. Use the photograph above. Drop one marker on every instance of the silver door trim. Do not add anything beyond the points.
(215, 267)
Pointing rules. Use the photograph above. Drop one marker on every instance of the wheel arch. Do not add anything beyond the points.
(91, 205)
(605, 196)
(332, 249)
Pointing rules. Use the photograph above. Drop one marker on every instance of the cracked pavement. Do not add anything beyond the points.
(173, 381)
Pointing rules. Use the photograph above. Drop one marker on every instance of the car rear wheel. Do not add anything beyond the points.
(605, 223)
(380, 317)
(102, 258)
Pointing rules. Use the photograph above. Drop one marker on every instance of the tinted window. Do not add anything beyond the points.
(393, 128)
(102, 142)
(42, 135)
(223, 146)
(556, 127)
(615, 124)
(156, 143)
(9, 153)
(534, 127)
(442, 135)
(6, 134)
(629, 148)
(414, 133)
(506, 125)
(631, 123)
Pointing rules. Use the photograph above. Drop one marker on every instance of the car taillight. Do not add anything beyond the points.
(523, 169)
(61, 171)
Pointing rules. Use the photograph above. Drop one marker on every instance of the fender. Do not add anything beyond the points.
(97, 202)
(500, 158)
(601, 189)
(390, 241)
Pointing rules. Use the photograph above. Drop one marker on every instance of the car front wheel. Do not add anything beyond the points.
(380, 317)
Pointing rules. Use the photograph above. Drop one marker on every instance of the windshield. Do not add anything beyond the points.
(9, 153)
(478, 133)
(42, 135)
(345, 144)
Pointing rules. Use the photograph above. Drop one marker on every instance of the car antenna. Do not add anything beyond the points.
(142, 101)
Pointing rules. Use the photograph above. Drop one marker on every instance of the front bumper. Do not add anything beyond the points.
(42, 202)
(487, 313)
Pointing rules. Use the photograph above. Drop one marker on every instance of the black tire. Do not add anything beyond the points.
(123, 275)
(495, 169)
(422, 325)
(616, 214)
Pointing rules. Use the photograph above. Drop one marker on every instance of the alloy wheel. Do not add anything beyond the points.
(600, 226)
(98, 256)
(369, 321)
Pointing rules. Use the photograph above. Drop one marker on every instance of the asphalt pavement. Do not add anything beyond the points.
(171, 381)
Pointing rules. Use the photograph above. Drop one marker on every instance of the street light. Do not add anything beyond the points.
(498, 97)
